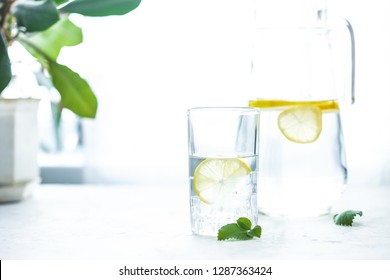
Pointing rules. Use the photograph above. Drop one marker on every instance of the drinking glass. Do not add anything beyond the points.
(223, 163)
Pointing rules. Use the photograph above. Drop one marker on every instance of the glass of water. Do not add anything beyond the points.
(223, 163)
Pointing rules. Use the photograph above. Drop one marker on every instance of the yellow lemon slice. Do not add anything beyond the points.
(301, 124)
(324, 105)
(216, 177)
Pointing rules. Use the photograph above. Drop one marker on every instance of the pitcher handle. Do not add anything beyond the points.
(352, 38)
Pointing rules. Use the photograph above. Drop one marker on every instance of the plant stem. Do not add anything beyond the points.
(5, 8)
(4, 11)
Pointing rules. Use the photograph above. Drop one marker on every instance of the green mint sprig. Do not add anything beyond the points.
(346, 218)
(241, 230)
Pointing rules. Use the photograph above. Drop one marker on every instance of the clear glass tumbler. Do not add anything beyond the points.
(223, 164)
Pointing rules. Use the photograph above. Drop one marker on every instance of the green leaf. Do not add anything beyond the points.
(76, 94)
(5, 65)
(58, 2)
(100, 7)
(241, 230)
(244, 223)
(346, 218)
(256, 231)
(61, 34)
(233, 231)
(35, 15)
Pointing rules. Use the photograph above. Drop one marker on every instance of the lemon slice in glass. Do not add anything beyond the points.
(216, 177)
(301, 124)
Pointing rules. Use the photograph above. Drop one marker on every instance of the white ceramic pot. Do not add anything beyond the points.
(19, 170)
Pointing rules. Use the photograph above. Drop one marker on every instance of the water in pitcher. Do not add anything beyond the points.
(303, 64)
(302, 168)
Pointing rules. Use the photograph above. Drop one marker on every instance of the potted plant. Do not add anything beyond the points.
(42, 27)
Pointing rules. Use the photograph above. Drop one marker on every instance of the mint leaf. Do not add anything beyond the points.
(346, 218)
(239, 231)
(255, 232)
(233, 231)
(244, 223)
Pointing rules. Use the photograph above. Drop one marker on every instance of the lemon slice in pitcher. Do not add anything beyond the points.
(301, 124)
(215, 177)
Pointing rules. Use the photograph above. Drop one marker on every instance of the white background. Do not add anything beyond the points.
(149, 66)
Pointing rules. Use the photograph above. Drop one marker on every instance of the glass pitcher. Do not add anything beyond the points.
(303, 66)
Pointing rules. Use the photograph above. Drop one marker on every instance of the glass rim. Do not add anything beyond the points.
(243, 110)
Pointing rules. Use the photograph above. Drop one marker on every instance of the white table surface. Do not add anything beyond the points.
(152, 222)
